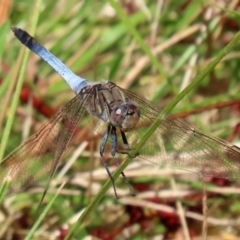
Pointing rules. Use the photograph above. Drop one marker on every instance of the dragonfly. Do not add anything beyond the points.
(120, 116)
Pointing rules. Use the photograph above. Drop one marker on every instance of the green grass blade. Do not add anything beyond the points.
(43, 214)
(7, 129)
(4, 188)
(137, 36)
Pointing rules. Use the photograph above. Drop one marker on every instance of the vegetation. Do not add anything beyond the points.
(152, 48)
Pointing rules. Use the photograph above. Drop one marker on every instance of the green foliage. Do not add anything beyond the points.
(152, 50)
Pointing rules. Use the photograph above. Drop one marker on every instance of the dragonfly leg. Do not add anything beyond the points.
(126, 145)
(102, 146)
(113, 152)
(125, 142)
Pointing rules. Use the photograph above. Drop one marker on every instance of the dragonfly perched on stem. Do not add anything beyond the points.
(120, 116)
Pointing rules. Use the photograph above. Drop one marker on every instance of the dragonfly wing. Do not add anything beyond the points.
(38, 157)
(178, 145)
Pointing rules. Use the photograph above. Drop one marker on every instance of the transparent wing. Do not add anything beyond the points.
(176, 144)
(38, 157)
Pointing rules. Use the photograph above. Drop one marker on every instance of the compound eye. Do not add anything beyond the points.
(125, 116)
(118, 114)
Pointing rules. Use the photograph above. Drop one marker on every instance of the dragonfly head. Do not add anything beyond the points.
(125, 116)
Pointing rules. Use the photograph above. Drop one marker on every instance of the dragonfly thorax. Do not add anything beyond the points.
(111, 105)
(125, 116)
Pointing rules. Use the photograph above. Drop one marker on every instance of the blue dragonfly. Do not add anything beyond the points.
(120, 116)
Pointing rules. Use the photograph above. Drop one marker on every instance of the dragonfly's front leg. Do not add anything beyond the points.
(126, 146)
(102, 146)
(113, 152)
(125, 142)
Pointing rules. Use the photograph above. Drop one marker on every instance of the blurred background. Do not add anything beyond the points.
(92, 40)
